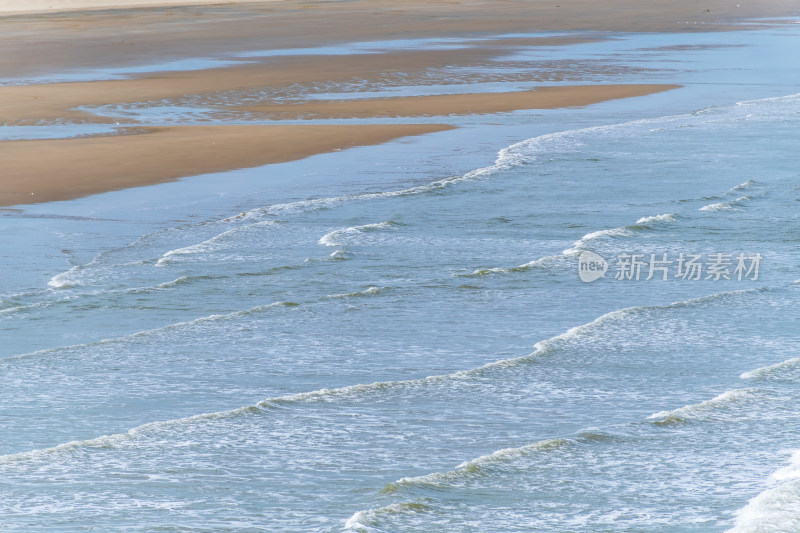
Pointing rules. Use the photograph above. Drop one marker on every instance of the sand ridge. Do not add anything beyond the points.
(139, 32)
(457, 104)
(60, 169)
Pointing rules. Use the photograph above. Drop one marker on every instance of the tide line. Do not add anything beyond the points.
(541, 349)
(777, 509)
(647, 223)
(145, 333)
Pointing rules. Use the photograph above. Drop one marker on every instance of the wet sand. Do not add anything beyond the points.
(61, 169)
(457, 104)
(38, 45)
(37, 171)
(29, 105)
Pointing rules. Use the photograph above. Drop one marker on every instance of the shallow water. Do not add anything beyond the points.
(396, 338)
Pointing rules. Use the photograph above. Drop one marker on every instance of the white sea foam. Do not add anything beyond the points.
(773, 371)
(668, 217)
(777, 509)
(117, 439)
(541, 348)
(18, 308)
(514, 155)
(210, 245)
(321, 395)
(68, 279)
(613, 232)
(725, 206)
(476, 467)
(485, 271)
(510, 454)
(356, 522)
(584, 242)
(339, 237)
(287, 208)
(155, 331)
(720, 206)
(370, 291)
(744, 186)
(76, 276)
(537, 263)
(175, 282)
(580, 245)
(79, 275)
(792, 98)
(503, 161)
(708, 409)
(361, 520)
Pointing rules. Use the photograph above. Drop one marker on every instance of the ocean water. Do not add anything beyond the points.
(396, 338)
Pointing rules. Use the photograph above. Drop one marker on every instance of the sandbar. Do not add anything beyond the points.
(44, 39)
(457, 104)
(37, 171)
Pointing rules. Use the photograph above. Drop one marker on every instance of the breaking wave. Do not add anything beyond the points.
(139, 334)
(777, 509)
(339, 237)
(712, 409)
(726, 206)
(777, 371)
(584, 243)
(541, 349)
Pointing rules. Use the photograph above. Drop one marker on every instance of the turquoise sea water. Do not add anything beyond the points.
(396, 339)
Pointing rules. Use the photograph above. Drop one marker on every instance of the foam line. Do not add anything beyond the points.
(705, 410)
(776, 509)
(642, 224)
(148, 332)
(542, 348)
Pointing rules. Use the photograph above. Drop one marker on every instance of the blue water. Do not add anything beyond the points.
(395, 338)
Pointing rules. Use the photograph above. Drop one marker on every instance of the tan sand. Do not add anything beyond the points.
(35, 45)
(457, 104)
(49, 6)
(613, 15)
(60, 169)
(46, 170)
(28, 104)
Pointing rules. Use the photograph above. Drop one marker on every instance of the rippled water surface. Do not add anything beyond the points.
(396, 338)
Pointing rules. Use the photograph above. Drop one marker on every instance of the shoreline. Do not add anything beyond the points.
(458, 104)
(262, 89)
(81, 166)
(77, 167)
(613, 15)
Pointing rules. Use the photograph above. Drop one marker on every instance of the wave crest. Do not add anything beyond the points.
(369, 291)
(776, 371)
(477, 467)
(340, 236)
(726, 206)
(775, 509)
(712, 409)
(541, 349)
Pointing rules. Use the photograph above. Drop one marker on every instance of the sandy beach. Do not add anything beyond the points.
(372, 266)
(86, 39)
(61, 169)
